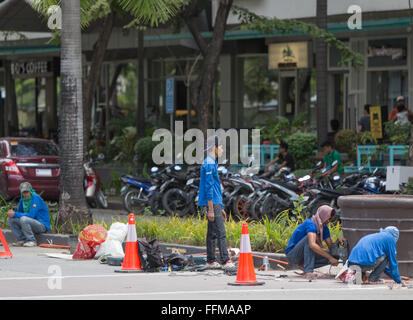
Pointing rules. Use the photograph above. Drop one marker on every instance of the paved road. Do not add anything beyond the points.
(31, 275)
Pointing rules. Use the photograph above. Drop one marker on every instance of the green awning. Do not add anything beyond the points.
(15, 50)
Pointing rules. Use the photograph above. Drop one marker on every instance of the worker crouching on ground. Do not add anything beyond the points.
(377, 252)
(210, 200)
(32, 216)
(305, 247)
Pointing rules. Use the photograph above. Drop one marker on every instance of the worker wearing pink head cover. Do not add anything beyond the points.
(305, 247)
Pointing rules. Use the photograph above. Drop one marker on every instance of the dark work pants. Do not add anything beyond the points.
(302, 254)
(216, 233)
(378, 268)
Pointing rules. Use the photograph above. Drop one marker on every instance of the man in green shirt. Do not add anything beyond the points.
(331, 155)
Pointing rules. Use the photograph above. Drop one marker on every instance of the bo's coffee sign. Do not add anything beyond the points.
(30, 69)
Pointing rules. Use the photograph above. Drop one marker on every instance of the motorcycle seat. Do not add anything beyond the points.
(140, 179)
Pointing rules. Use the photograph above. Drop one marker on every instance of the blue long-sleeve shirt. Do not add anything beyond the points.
(38, 211)
(373, 246)
(209, 185)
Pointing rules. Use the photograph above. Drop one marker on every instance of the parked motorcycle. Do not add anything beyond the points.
(93, 192)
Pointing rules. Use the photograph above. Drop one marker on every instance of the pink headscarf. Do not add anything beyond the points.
(323, 214)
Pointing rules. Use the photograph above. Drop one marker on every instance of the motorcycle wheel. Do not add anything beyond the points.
(155, 203)
(136, 207)
(241, 208)
(255, 208)
(101, 199)
(174, 202)
(270, 208)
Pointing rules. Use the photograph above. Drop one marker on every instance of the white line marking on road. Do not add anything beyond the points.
(232, 291)
(85, 276)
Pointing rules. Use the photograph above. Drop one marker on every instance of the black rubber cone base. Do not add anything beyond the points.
(129, 271)
(246, 284)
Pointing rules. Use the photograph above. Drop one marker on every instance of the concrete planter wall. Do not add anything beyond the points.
(362, 215)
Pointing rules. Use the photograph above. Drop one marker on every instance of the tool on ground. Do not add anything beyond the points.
(245, 273)
(131, 262)
(6, 253)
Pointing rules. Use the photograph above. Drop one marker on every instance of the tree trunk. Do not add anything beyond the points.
(72, 204)
(202, 88)
(321, 74)
(140, 121)
(94, 74)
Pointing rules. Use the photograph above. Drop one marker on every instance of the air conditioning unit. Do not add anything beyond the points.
(396, 175)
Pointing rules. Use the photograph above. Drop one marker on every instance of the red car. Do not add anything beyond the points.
(32, 160)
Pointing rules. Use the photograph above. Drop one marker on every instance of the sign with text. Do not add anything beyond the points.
(376, 126)
(288, 55)
(170, 95)
(30, 69)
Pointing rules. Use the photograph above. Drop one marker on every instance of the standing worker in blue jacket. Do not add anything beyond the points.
(377, 252)
(32, 216)
(210, 199)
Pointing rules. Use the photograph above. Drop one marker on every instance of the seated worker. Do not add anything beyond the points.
(284, 159)
(305, 247)
(377, 252)
(331, 155)
(32, 216)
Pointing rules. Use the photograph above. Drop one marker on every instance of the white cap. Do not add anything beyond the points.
(399, 98)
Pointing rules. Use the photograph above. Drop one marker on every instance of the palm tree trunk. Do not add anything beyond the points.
(72, 199)
(321, 74)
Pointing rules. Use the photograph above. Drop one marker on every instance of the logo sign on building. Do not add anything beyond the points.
(30, 69)
(288, 55)
(376, 126)
(170, 95)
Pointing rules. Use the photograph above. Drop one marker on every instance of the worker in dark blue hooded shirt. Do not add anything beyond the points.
(377, 251)
(210, 200)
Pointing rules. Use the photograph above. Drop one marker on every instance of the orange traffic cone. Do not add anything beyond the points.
(245, 273)
(6, 253)
(131, 261)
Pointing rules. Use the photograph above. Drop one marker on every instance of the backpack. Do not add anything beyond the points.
(176, 259)
(154, 258)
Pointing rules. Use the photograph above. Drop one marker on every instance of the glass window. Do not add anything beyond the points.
(387, 52)
(386, 86)
(335, 56)
(260, 91)
(32, 149)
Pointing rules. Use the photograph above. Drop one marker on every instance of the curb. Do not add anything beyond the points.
(166, 248)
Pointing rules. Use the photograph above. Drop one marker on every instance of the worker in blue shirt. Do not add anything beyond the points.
(377, 252)
(305, 247)
(32, 216)
(210, 200)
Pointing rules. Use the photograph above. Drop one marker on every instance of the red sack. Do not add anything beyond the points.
(89, 238)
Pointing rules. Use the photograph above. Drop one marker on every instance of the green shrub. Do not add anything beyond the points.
(366, 137)
(398, 134)
(143, 149)
(346, 143)
(301, 146)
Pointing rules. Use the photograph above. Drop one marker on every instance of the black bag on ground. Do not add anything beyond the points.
(176, 259)
(154, 258)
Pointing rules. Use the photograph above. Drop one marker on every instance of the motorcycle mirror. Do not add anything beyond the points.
(251, 161)
(361, 168)
(319, 163)
(334, 163)
(154, 169)
(336, 178)
(101, 156)
(222, 169)
(177, 168)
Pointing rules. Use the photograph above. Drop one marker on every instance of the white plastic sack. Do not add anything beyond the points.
(113, 244)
